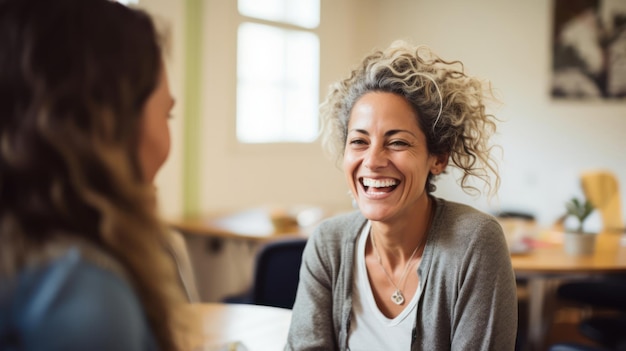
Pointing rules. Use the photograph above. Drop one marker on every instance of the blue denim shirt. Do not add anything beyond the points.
(71, 304)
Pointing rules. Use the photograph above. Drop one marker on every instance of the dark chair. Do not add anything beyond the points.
(608, 294)
(608, 331)
(574, 347)
(276, 275)
(516, 214)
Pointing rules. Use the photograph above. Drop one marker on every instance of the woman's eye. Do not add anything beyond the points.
(357, 142)
(399, 143)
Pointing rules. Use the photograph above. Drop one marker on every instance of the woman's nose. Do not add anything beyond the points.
(375, 158)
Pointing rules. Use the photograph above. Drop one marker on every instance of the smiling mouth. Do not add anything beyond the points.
(378, 186)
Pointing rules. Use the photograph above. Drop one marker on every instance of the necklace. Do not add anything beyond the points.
(397, 297)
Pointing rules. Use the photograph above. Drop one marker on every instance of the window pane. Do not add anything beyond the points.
(277, 85)
(304, 13)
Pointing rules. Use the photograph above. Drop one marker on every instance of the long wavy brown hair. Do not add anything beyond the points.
(450, 105)
(74, 77)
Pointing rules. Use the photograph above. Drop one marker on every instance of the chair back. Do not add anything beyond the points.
(602, 190)
(277, 273)
(177, 248)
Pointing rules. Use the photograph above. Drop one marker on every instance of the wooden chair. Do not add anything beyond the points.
(601, 188)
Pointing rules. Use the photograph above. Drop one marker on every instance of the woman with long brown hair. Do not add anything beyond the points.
(84, 108)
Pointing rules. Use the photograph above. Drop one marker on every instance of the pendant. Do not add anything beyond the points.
(397, 297)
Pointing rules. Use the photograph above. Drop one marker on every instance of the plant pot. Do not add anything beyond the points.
(579, 244)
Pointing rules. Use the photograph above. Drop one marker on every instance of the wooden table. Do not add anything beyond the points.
(546, 266)
(251, 327)
(214, 239)
(254, 224)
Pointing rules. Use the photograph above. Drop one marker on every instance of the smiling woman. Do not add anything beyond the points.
(408, 271)
(386, 159)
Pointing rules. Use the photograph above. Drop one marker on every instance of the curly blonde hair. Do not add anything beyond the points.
(450, 106)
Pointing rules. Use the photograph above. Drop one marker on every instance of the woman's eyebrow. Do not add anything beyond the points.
(387, 133)
(396, 131)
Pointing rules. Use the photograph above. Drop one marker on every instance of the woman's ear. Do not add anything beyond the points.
(441, 162)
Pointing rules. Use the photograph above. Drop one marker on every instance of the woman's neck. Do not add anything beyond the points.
(398, 239)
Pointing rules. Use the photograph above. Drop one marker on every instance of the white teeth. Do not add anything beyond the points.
(375, 183)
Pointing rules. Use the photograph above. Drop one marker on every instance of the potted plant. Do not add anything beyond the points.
(577, 241)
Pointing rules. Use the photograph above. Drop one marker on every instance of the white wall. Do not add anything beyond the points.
(546, 143)
(236, 176)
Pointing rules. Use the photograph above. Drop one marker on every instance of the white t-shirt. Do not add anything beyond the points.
(369, 328)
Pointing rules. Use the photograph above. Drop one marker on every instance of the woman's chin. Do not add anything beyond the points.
(375, 212)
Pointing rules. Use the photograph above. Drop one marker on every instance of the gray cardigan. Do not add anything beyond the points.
(469, 297)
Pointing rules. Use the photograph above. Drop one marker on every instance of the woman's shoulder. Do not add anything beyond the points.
(340, 226)
(351, 219)
(332, 235)
(74, 274)
(72, 303)
(462, 215)
(462, 233)
(466, 226)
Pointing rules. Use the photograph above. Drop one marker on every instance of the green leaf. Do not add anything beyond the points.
(579, 209)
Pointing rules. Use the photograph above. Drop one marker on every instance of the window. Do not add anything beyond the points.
(277, 71)
(303, 13)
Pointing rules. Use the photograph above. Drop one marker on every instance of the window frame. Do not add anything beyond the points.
(275, 146)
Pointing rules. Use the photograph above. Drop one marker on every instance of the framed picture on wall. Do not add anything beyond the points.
(589, 49)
